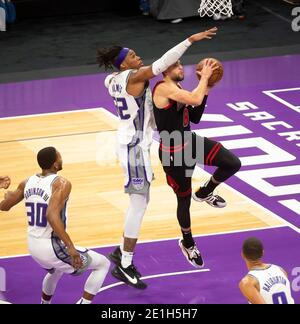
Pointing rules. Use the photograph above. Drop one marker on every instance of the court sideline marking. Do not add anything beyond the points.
(170, 274)
(165, 240)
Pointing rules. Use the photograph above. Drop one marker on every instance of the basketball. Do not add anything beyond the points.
(217, 74)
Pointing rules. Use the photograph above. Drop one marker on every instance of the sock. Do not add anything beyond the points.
(126, 259)
(45, 302)
(188, 240)
(122, 245)
(83, 301)
(207, 189)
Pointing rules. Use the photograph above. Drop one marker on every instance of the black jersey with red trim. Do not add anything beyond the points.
(177, 116)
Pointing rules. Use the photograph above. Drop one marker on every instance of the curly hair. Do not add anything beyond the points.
(107, 56)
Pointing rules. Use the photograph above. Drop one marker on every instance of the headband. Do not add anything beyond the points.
(121, 57)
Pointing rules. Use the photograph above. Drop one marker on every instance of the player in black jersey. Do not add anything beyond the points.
(181, 149)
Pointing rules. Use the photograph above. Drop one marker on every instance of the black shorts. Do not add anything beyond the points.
(200, 150)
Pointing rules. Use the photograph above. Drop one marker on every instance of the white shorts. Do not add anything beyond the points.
(51, 255)
(136, 164)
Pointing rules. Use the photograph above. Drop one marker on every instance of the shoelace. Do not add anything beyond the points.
(194, 252)
(133, 268)
(211, 198)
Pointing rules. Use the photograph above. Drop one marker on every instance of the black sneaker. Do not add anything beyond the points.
(116, 258)
(192, 254)
(213, 200)
(129, 276)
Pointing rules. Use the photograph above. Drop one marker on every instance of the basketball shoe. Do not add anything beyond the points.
(192, 254)
(211, 199)
(116, 258)
(129, 275)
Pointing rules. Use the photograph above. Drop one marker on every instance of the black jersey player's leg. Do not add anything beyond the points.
(182, 186)
(215, 154)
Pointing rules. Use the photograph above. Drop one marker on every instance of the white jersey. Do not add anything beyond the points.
(136, 113)
(275, 287)
(37, 194)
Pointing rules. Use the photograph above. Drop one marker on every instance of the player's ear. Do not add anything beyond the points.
(56, 166)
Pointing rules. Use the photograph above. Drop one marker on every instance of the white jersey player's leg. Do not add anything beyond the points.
(52, 256)
(49, 286)
(133, 222)
(100, 266)
(138, 174)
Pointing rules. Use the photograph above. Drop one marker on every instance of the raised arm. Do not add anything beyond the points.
(60, 193)
(248, 287)
(169, 58)
(12, 198)
(171, 91)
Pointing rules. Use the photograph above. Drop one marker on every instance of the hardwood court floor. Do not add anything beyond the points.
(97, 205)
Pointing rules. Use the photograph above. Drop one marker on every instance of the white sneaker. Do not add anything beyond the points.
(213, 200)
(192, 254)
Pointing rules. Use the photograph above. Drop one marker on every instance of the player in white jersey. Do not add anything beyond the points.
(264, 283)
(46, 196)
(4, 182)
(129, 87)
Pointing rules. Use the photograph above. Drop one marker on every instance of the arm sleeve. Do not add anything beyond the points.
(197, 112)
(171, 57)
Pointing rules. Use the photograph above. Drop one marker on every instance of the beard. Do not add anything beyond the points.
(179, 78)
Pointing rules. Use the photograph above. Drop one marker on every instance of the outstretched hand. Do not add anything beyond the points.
(208, 34)
(4, 182)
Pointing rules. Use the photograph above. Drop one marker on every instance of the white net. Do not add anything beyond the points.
(211, 7)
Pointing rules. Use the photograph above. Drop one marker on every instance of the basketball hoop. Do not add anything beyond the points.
(211, 7)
